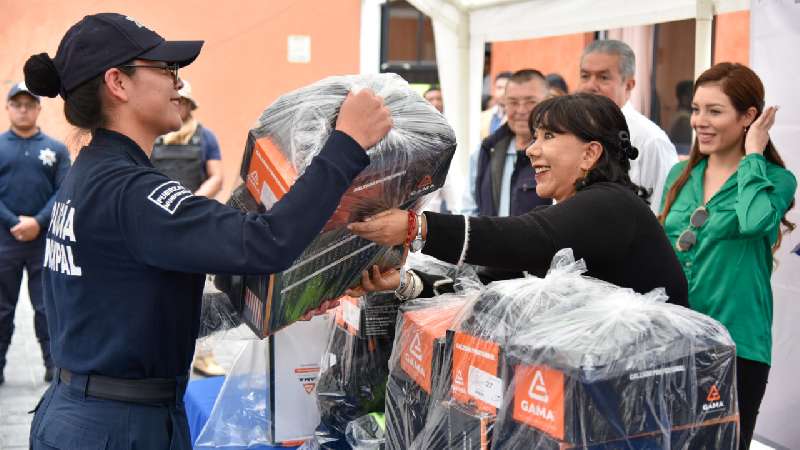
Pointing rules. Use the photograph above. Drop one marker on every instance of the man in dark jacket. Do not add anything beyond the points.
(504, 183)
(32, 165)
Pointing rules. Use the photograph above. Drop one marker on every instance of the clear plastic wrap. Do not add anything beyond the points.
(466, 409)
(218, 312)
(568, 361)
(268, 396)
(356, 365)
(410, 162)
(465, 277)
(367, 432)
(417, 374)
(626, 371)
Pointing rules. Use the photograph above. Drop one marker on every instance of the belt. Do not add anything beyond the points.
(143, 390)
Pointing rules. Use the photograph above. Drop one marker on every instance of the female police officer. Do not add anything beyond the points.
(127, 247)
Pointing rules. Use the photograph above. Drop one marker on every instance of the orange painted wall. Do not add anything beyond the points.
(732, 37)
(560, 54)
(243, 66)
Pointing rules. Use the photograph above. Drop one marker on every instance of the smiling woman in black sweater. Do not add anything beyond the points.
(581, 154)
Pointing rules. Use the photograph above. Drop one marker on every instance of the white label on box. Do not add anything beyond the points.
(298, 350)
(352, 315)
(299, 49)
(485, 387)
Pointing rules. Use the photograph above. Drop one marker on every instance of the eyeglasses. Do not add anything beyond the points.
(23, 105)
(688, 238)
(527, 103)
(171, 69)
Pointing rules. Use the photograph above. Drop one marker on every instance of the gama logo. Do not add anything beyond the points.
(713, 399)
(307, 376)
(415, 358)
(539, 399)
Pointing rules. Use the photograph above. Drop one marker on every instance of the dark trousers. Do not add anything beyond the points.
(14, 258)
(751, 382)
(67, 418)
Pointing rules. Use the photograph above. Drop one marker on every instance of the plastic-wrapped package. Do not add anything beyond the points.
(465, 417)
(218, 312)
(465, 277)
(367, 432)
(356, 365)
(417, 366)
(568, 362)
(411, 161)
(623, 371)
(268, 395)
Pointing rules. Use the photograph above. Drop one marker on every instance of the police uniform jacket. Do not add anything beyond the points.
(31, 169)
(128, 248)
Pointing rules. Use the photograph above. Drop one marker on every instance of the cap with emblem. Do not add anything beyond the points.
(99, 42)
(20, 88)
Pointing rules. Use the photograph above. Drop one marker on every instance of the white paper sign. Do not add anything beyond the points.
(485, 387)
(352, 315)
(299, 49)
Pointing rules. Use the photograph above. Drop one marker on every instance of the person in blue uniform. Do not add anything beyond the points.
(128, 248)
(32, 165)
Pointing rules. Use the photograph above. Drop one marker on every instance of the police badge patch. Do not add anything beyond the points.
(169, 196)
(47, 156)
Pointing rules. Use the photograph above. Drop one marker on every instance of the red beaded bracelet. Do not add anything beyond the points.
(412, 228)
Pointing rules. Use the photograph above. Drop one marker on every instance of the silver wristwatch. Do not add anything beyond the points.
(418, 242)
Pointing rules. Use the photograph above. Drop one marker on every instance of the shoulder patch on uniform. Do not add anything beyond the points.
(169, 196)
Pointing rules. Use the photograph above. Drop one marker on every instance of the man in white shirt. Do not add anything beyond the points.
(608, 68)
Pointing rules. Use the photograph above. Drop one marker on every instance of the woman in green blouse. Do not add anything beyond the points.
(723, 210)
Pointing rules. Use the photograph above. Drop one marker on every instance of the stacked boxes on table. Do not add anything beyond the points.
(353, 380)
(419, 373)
(618, 370)
(478, 378)
(410, 162)
(570, 362)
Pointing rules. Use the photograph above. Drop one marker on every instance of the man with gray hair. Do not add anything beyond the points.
(608, 68)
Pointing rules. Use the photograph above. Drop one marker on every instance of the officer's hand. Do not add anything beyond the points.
(364, 117)
(26, 230)
(320, 310)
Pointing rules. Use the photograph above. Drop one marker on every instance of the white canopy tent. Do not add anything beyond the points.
(463, 27)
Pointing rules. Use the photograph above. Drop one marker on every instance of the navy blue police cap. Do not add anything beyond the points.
(105, 40)
(20, 88)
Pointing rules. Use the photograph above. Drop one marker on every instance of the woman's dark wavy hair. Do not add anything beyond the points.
(745, 90)
(590, 118)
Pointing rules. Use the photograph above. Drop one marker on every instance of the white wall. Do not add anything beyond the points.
(774, 43)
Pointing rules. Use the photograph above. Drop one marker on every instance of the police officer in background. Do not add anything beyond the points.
(32, 165)
(128, 247)
(191, 156)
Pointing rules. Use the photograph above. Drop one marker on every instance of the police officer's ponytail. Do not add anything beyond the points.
(82, 105)
(41, 76)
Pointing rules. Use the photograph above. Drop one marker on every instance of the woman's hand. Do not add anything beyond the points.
(755, 142)
(320, 310)
(377, 281)
(388, 228)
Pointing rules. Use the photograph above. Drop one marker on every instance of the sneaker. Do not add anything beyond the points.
(207, 366)
(49, 372)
